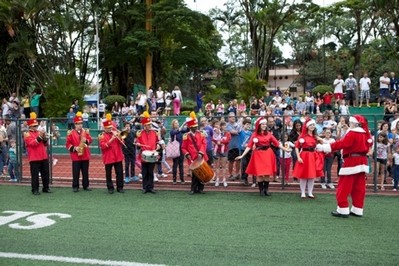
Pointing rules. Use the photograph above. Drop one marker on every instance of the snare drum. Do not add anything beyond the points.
(202, 170)
(149, 156)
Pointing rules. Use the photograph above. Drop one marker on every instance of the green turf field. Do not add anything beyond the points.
(174, 228)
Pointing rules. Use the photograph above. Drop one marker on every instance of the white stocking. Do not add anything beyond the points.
(310, 186)
(302, 185)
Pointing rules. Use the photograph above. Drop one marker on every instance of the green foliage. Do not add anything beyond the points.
(188, 105)
(322, 89)
(215, 93)
(111, 99)
(60, 93)
(250, 85)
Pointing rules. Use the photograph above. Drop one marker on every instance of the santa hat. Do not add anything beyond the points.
(362, 122)
(78, 118)
(192, 121)
(308, 122)
(146, 118)
(32, 122)
(260, 120)
(108, 121)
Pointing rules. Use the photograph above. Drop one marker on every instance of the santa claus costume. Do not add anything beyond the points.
(310, 162)
(263, 163)
(355, 145)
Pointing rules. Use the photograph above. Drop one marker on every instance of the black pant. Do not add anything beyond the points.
(147, 170)
(196, 184)
(244, 165)
(130, 161)
(178, 162)
(210, 157)
(119, 175)
(77, 167)
(42, 167)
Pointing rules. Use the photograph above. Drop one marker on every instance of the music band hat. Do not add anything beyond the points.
(192, 121)
(32, 122)
(108, 121)
(146, 118)
(78, 118)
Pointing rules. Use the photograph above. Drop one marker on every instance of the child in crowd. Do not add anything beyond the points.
(221, 152)
(168, 105)
(163, 160)
(343, 108)
(328, 162)
(396, 169)
(382, 156)
(217, 137)
(12, 162)
(285, 158)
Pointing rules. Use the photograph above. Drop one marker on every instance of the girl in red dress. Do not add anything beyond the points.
(310, 162)
(263, 163)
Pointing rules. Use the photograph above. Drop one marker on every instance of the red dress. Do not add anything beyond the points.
(313, 161)
(263, 160)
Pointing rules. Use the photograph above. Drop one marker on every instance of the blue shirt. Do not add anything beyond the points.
(244, 135)
(209, 135)
(12, 155)
(235, 139)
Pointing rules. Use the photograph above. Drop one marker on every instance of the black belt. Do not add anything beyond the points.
(354, 155)
(308, 149)
(263, 148)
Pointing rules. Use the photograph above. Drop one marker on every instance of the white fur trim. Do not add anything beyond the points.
(310, 122)
(363, 168)
(344, 211)
(353, 120)
(370, 141)
(255, 140)
(357, 129)
(326, 148)
(263, 121)
(358, 211)
(301, 140)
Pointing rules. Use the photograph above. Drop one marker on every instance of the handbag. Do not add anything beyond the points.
(172, 149)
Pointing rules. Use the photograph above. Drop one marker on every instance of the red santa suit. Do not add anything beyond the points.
(352, 176)
(313, 161)
(261, 154)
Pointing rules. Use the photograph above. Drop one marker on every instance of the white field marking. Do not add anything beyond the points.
(72, 260)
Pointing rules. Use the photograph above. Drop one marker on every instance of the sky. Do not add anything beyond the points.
(205, 5)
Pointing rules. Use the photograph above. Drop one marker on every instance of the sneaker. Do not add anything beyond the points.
(217, 183)
(170, 171)
(13, 180)
(225, 183)
(134, 179)
(55, 161)
(127, 180)
(164, 175)
(382, 188)
(323, 186)
(331, 185)
(140, 176)
(253, 185)
(156, 178)
(394, 189)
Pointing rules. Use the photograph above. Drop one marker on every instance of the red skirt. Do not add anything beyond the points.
(262, 162)
(312, 166)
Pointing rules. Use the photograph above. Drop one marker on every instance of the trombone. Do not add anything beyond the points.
(120, 135)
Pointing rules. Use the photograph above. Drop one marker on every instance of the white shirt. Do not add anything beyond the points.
(160, 95)
(396, 158)
(142, 100)
(338, 86)
(364, 84)
(382, 85)
(344, 110)
(101, 107)
(178, 94)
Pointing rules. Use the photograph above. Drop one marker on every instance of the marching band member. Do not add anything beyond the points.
(263, 163)
(147, 140)
(194, 148)
(77, 143)
(36, 144)
(111, 148)
(356, 145)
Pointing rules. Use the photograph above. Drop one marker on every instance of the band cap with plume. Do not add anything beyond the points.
(146, 118)
(78, 118)
(108, 121)
(33, 121)
(192, 121)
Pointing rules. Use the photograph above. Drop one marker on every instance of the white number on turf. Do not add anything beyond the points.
(37, 220)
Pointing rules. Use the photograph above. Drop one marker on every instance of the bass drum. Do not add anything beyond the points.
(202, 170)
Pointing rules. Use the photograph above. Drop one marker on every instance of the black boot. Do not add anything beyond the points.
(266, 188)
(260, 185)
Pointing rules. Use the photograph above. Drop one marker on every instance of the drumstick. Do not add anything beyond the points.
(141, 145)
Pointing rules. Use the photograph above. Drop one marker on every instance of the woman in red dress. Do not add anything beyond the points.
(263, 163)
(310, 162)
